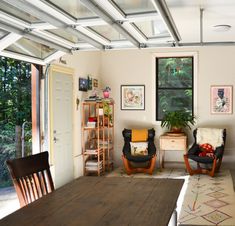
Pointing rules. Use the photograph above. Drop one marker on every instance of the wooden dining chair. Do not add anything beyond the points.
(31, 177)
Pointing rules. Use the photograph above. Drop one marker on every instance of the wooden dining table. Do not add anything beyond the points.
(103, 201)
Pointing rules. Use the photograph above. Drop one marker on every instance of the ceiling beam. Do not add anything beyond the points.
(8, 27)
(8, 40)
(108, 19)
(21, 57)
(44, 16)
(164, 12)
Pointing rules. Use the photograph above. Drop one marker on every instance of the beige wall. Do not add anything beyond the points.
(83, 63)
(114, 68)
(215, 67)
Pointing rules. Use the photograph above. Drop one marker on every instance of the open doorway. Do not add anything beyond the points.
(16, 86)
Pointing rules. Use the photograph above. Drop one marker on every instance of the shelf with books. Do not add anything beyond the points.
(97, 136)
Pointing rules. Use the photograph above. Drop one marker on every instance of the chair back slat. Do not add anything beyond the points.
(31, 177)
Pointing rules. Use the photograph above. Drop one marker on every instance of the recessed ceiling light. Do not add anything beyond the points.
(221, 27)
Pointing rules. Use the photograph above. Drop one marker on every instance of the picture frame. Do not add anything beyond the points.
(83, 84)
(221, 99)
(132, 97)
(95, 83)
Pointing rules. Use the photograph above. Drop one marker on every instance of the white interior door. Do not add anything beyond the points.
(61, 121)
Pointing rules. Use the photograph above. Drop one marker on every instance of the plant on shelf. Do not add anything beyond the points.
(107, 112)
(175, 121)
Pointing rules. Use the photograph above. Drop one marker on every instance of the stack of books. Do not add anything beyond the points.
(93, 98)
(91, 151)
(92, 165)
(91, 124)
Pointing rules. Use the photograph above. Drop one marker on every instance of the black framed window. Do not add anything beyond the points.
(174, 85)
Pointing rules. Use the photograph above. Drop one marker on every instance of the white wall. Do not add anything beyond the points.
(84, 63)
(215, 67)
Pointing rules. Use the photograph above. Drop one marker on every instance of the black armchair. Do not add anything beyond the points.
(130, 160)
(213, 162)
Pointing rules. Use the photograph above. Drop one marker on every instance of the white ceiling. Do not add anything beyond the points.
(186, 14)
(42, 30)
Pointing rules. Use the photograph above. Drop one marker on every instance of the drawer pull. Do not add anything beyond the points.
(172, 141)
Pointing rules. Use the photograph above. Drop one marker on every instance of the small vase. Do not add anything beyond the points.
(106, 94)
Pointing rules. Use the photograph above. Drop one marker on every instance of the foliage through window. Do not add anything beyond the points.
(174, 85)
(15, 109)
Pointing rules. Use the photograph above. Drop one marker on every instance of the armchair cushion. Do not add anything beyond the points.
(212, 136)
(139, 135)
(139, 148)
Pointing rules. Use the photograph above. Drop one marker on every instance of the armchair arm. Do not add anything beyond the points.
(219, 151)
(126, 148)
(151, 149)
(194, 150)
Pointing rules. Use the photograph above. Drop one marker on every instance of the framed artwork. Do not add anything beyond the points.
(132, 97)
(83, 84)
(221, 99)
(95, 83)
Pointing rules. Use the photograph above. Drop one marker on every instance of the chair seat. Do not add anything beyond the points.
(205, 159)
(143, 158)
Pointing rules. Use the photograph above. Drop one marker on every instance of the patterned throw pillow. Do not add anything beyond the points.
(206, 150)
(139, 148)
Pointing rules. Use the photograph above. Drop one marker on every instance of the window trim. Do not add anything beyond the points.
(195, 75)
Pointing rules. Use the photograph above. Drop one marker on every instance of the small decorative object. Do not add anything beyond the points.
(221, 99)
(83, 84)
(89, 81)
(95, 83)
(132, 97)
(106, 92)
(177, 120)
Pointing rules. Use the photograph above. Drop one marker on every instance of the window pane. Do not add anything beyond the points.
(175, 72)
(152, 28)
(133, 6)
(10, 9)
(3, 33)
(63, 34)
(108, 32)
(174, 100)
(73, 7)
(31, 48)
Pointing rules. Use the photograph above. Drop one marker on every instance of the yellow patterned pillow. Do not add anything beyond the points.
(139, 148)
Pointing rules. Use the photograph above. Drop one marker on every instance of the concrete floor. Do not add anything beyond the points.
(8, 201)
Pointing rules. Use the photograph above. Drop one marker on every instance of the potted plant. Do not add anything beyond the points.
(175, 121)
(106, 91)
(107, 113)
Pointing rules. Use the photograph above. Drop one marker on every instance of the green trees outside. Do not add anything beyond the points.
(15, 109)
(174, 85)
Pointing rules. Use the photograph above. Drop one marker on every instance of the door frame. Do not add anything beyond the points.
(70, 72)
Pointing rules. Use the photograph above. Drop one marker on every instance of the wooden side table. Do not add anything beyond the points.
(171, 143)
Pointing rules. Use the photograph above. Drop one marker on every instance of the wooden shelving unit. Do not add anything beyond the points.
(97, 136)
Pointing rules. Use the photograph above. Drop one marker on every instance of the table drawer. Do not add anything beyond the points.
(173, 144)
